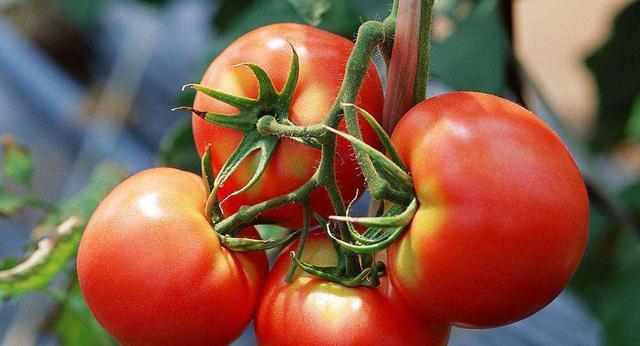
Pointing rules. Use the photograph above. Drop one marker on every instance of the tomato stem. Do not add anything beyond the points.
(268, 125)
(306, 214)
(424, 38)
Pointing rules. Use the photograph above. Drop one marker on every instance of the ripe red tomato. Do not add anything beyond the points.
(311, 311)
(322, 58)
(153, 272)
(503, 217)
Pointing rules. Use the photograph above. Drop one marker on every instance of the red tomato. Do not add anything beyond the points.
(322, 58)
(503, 217)
(314, 312)
(153, 272)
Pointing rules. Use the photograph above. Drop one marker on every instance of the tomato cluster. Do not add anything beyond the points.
(500, 228)
(323, 57)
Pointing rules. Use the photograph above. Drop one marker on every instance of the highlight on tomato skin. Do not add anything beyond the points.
(311, 311)
(503, 217)
(322, 60)
(152, 270)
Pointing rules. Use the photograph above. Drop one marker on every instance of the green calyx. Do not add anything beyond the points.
(368, 277)
(270, 103)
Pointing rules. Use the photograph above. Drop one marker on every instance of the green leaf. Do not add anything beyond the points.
(228, 10)
(52, 254)
(311, 10)
(611, 250)
(8, 262)
(631, 197)
(617, 72)
(74, 325)
(17, 162)
(11, 204)
(177, 148)
(633, 125)
(475, 56)
(621, 303)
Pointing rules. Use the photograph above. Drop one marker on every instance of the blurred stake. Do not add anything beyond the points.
(402, 67)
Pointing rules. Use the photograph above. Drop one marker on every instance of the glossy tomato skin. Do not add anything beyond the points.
(153, 272)
(503, 217)
(311, 311)
(322, 57)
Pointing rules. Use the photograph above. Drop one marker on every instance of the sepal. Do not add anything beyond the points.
(249, 244)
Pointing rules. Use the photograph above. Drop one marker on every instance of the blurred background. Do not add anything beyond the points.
(83, 82)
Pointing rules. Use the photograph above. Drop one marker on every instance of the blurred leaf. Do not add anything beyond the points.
(8, 262)
(84, 13)
(104, 179)
(17, 162)
(597, 263)
(228, 10)
(10, 204)
(617, 73)
(311, 10)
(49, 258)
(631, 197)
(633, 126)
(475, 56)
(74, 325)
(621, 303)
(53, 253)
(371, 9)
(340, 19)
(611, 251)
(177, 148)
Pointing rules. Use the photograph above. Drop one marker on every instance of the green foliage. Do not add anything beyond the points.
(17, 162)
(74, 325)
(340, 19)
(609, 276)
(631, 197)
(17, 167)
(598, 262)
(633, 125)
(52, 254)
(43, 264)
(617, 72)
(476, 54)
(178, 150)
(10, 204)
(8, 262)
(84, 13)
(227, 10)
(311, 10)
(621, 302)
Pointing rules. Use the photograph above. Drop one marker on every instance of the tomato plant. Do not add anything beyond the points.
(485, 220)
(503, 216)
(311, 311)
(322, 60)
(153, 271)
